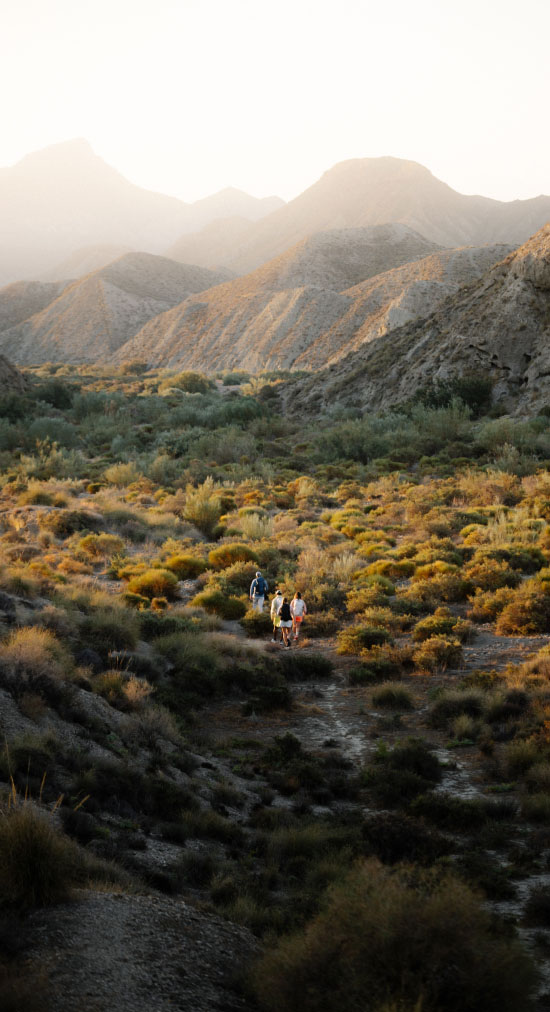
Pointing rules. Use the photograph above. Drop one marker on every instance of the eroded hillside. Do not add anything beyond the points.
(95, 315)
(498, 326)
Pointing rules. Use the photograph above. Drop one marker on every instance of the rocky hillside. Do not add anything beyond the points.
(498, 326)
(270, 316)
(93, 316)
(312, 305)
(11, 380)
(373, 191)
(25, 298)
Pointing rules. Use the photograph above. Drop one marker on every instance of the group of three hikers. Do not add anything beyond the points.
(285, 615)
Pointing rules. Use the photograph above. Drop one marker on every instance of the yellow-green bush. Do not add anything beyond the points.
(486, 605)
(356, 638)
(387, 936)
(155, 583)
(227, 555)
(203, 507)
(101, 546)
(527, 613)
(32, 654)
(438, 652)
(441, 623)
(221, 604)
(185, 567)
(490, 574)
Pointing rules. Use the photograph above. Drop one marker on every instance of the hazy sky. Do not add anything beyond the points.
(189, 96)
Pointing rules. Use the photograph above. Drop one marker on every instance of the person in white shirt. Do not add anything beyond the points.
(297, 610)
(275, 605)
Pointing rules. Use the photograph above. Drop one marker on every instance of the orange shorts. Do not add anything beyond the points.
(298, 618)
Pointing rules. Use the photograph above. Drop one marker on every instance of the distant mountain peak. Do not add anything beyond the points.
(75, 148)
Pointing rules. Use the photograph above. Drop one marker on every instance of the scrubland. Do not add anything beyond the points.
(155, 739)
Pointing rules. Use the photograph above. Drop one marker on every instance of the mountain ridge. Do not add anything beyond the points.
(366, 192)
(304, 308)
(92, 316)
(65, 197)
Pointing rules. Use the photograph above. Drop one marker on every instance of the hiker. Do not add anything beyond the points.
(285, 620)
(258, 590)
(297, 610)
(275, 605)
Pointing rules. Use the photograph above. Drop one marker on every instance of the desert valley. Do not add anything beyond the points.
(346, 396)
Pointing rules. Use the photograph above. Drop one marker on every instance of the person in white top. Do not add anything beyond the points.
(297, 610)
(275, 605)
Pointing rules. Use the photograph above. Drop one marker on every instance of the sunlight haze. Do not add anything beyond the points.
(186, 98)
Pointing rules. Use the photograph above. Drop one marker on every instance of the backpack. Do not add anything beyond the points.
(259, 587)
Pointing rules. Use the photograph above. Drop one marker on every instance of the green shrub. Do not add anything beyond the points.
(203, 508)
(218, 603)
(34, 659)
(228, 555)
(527, 613)
(63, 523)
(384, 941)
(457, 815)
(298, 666)
(536, 808)
(321, 623)
(105, 630)
(256, 624)
(136, 600)
(360, 637)
(191, 382)
(392, 696)
(378, 665)
(452, 704)
(489, 574)
(110, 685)
(485, 606)
(438, 653)
(185, 567)
(441, 623)
(121, 475)
(101, 546)
(197, 667)
(37, 864)
(393, 837)
(396, 776)
(155, 583)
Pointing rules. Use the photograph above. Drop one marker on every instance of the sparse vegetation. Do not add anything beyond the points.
(126, 554)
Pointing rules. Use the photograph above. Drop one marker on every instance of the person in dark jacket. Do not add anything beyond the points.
(285, 624)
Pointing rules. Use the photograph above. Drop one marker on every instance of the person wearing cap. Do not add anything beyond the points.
(258, 590)
(275, 605)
